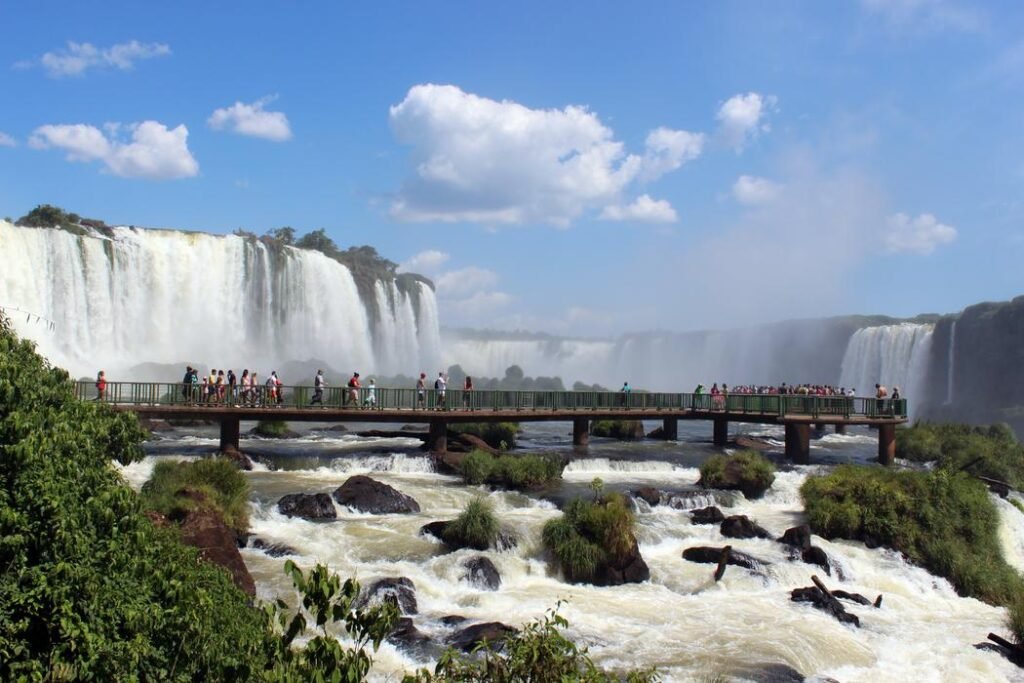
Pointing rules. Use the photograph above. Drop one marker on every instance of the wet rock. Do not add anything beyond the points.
(853, 597)
(273, 549)
(507, 540)
(798, 537)
(453, 620)
(311, 506)
(412, 641)
(435, 529)
(397, 590)
(770, 673)
(369, 495)
(155, 425)
(648, 494)
(240, 459)
(656, 433)
(493, 632)
(629, 568)
(467, 443)
(710, 555)
(482, 573)
(708, 515)
(815, 555)
(825, 603)
(741, 526)
(206, 530)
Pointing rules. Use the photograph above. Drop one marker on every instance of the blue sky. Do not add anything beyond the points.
(573, 168)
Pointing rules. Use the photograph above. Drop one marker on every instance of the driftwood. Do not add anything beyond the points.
(723, 562)
(822, 598)
(1013, 651)
(821, 586)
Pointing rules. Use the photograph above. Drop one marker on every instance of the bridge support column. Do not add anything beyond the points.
(840, 429)
(229, 432)
(437, 439)
(581, 432)
(721, 431)
(670, 427)
(798, 443)
(887, 444)
(819, 426)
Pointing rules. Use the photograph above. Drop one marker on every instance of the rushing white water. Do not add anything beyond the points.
(166, 296)
(679, 621)
(950, 363)
(890, 355)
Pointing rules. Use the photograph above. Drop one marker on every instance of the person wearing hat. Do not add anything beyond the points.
(353, 389)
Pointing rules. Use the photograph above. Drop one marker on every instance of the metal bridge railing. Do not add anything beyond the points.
(386, 398)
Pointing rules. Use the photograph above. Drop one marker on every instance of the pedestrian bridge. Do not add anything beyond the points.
(796, 412)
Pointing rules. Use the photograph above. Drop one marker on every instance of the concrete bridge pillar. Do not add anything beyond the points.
(229, 433)
(721, 431)
(840, 429)
(437, 438)
(670, 427)
(581, 432)
(798, 443)
(887, 444)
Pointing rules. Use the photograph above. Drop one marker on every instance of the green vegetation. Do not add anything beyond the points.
(539, 652)
(48, 216)
(991, 451)
(272, 429)
(496, 434)
(940, 520)
(512, 471)
(624, 430)
(1015, 619)
(476, 527)
(590, 535)
(176, 488)
(1017, 504)
(746, 471)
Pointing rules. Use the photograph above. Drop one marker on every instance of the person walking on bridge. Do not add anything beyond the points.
(318, 388)
(421, 391)
(440, 384)
(101, 386)
(353, 390)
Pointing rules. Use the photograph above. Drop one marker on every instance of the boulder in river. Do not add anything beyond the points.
(711, 555)
(815, 555)
(824, 602)
(648, 494)
(628, 568)
(741, 526)
(369, 495)
(273, 549)
(397, 590)
(708, 515)
(312, 506)
(410, 639)
(798, 537)
(493, 632)
(482, 573)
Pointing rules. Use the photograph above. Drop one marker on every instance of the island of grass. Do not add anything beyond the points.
(987, 451)
(520, 472)
(274, 429)
(593, 542)
(500, 435)
(623, 430)
(476, 527)
(746, 471)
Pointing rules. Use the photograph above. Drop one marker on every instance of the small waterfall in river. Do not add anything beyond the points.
(950, 363)
(129, 296)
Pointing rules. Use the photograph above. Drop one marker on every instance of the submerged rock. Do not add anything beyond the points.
(741, 526)
(493, 632)
(369, 495)
(273, 549)
(708, 515)
(308, 506)
(482, 573)
(398, 590)
(413, 641)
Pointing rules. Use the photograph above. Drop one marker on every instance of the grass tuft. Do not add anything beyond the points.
(589, 535)
(512, 471)
(476, 527)
(746, 471)
(176, 488)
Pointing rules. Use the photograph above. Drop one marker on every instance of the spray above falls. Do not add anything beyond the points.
(124, 296)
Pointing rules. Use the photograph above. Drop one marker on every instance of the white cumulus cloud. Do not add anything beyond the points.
(426, 262)
(752, 190)
(252, 119)
(472, 307)
(6, 140)
(919, 235)
(153, 151)
(499, 162)
(465, 281)
(643, 210)
(742, 118)
(77, 58)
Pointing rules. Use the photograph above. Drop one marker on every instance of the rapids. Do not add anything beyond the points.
(680, 621)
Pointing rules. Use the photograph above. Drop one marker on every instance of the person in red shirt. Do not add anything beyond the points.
(353, 389)
(101, 386)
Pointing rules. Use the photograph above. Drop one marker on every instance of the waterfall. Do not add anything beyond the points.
(949, 370)
(131, 296)
(890, 355)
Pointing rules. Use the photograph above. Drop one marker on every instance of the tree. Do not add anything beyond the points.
(285, 235)
(318, 241)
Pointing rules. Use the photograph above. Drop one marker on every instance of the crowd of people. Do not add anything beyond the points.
(225, 387)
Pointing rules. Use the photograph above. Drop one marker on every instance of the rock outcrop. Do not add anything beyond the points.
(206, 530)
(397, 590)
(741, 526)
(369, 495)
(708, 515)
(482, 573)
(313, 506)
(711, 555)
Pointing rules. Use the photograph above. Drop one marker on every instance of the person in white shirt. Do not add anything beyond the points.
(440, 384)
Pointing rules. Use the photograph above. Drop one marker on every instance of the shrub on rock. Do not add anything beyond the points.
(177, 488)
(624, 430)
(746, 471)
(512, 471)
(500, 435)
(476, 527)
(593, 542)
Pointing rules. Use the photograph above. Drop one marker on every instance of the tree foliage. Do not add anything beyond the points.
(991, 451)
(590, 534)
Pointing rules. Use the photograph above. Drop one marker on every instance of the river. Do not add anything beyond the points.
(680, 621)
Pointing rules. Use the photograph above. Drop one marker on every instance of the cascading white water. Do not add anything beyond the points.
(950, 363)
(891, 355)
(166, 296)
(566, 358)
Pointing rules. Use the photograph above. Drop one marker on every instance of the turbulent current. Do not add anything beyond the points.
(130, 296)
(680, 621)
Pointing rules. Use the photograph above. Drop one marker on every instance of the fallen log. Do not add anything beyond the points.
(1014, 651)
(821, 586)
(723, 562)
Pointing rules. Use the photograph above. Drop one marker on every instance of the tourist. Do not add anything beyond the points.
(353, 390)
(101, 386)
(624, 394)
(246, 392)
(440, 384)
(716, 395)
(318, 388)
(278, 387)
(233, 387)
(467, 391)
(880, 394)
(254, 389)
(896, 393)
(271, 388)
(371, 394)
(421, 390)
(186, 385)
(211, 386)
(220, 386)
